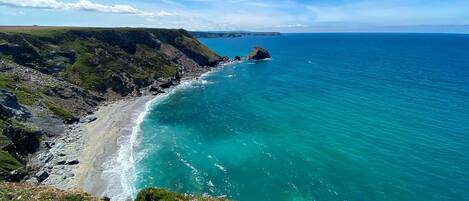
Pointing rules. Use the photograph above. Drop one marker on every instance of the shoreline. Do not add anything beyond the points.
(106, 153)
(98, 141)
(102, 136)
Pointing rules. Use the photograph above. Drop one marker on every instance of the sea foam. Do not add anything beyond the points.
(121, 166)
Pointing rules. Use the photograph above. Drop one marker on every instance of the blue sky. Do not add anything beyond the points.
(255, 15)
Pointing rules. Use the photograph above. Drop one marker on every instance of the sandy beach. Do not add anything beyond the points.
(100, 141)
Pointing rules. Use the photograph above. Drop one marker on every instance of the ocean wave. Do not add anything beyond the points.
(121, 167)
(220, 167)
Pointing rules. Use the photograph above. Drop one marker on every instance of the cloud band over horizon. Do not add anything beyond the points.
(257, 15)
(84, 5)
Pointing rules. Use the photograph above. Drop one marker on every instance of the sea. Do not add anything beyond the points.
(331, 116)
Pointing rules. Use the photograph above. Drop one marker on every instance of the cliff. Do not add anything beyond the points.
(52, 77)
(230, 34)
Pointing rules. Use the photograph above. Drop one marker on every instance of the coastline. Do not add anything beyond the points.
(101, 143)
(106, 150)
(114, 121)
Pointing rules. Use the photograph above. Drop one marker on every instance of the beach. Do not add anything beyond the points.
(86, 146)
(101, 137)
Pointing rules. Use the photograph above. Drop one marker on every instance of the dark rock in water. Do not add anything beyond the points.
(258, 53)
(72, 162)
(225, 59)
(42, 175)
(237, 58)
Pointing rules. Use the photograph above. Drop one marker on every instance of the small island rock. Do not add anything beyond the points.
(258, 53)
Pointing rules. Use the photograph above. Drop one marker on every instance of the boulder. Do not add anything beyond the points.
(225, 59)
(61, 162)
(237, 58)
(16, 175)
(156, 89)
(88, 119)
(258, 53)
(9, 106)
(72, 162)
(42, 175)
(48, 144)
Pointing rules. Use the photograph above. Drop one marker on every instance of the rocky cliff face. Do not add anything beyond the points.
(52, 77)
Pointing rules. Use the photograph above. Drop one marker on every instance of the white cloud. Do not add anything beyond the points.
(84, 5)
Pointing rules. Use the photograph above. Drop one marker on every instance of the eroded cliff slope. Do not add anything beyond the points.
(52, 77)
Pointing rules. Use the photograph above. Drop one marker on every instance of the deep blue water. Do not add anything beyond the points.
(330, 117)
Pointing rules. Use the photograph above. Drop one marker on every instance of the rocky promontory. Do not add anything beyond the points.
(258, 53)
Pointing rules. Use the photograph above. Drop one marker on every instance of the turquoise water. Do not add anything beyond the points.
(330, 117)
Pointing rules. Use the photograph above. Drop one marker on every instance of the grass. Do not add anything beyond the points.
(166, 71)
(156, 194)
(23, 93)
(8, 163)
(49, 32)
(27, 192)
(195, 46)
(58, 110)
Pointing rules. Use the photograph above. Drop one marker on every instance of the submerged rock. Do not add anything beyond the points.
(237, 58)
(225, 59)
(258, 53)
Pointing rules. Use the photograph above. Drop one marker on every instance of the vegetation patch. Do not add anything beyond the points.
(25, 94)
(8, 163)
(166, 71)
(156, 194)
(27, 192)
(4, 57)
(58, 110)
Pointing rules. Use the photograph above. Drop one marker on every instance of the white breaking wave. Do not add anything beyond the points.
(121, 166)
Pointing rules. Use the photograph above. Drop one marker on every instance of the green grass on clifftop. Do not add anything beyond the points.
(155, 194)
(28, 192)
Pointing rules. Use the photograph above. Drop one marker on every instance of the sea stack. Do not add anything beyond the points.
(258, 53)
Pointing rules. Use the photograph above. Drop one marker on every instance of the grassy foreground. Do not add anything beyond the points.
(27, 192)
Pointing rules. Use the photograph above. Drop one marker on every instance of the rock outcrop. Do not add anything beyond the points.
(9, 106)
(258, 53)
